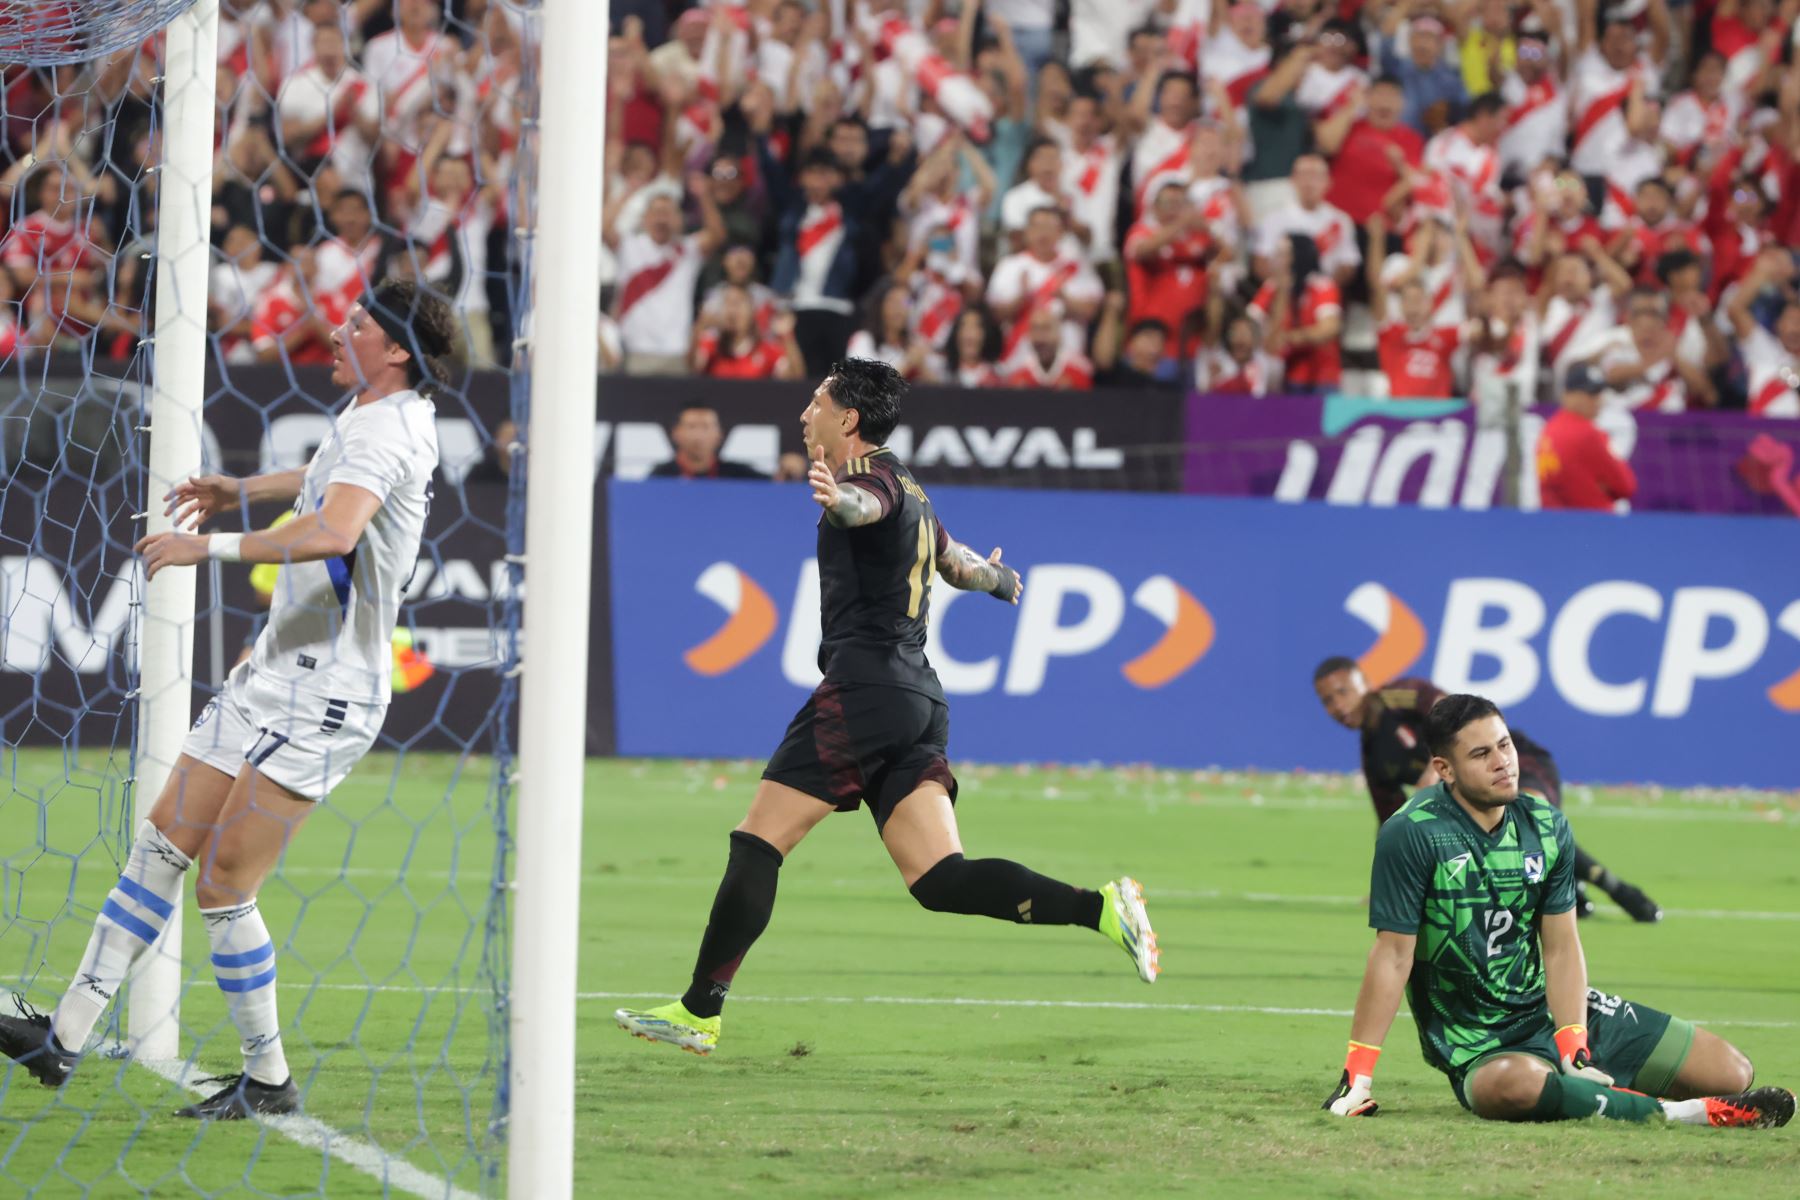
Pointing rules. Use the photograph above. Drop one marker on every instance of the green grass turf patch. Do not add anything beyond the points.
(936, 1055)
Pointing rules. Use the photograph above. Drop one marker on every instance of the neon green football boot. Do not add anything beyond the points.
(1124, 920)
(671, 1023)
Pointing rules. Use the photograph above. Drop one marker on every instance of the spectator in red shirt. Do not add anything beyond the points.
(733, 348)
(1369, 155)
(1166, 254)
(1417, 353)
(1575, 463)
(1301, 313)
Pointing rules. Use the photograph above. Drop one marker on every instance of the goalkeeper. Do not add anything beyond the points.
(294, 719)
(1472, 900)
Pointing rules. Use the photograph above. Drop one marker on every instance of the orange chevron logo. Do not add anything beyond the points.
(1400, 637)
(1785, 695)
(1186, 640)
(749, 624)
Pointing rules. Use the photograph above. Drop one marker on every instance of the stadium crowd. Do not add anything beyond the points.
(1399, 197)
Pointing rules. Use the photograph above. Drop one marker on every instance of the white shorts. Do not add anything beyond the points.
(305, 743)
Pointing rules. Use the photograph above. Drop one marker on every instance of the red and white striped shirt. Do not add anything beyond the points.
(1069, 370)
(1537, 122)
(655, 301)
(1597, 96)
(309, 96)
(1774, 375)
(1659, 389)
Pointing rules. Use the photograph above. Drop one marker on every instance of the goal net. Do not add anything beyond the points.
(338, 155)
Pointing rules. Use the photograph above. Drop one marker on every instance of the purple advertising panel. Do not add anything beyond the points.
(1355, 451)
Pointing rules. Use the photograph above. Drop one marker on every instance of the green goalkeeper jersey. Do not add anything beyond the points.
(1473, 898)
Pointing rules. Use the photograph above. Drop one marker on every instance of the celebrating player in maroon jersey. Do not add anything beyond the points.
(876, 729)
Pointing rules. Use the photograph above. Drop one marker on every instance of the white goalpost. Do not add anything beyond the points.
(563, 352)
(179, 341)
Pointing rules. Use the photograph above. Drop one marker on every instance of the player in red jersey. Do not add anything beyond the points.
(875, 731)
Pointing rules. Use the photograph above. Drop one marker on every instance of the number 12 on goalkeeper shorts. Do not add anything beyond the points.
(267, 742)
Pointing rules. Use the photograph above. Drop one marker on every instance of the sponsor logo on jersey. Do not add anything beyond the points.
(1534, 868)
(1454, 868)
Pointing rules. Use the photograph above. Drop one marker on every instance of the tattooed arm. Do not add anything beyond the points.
(967, 571)
(845, 506)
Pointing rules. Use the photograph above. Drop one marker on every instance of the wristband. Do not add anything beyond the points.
(225, 547)
(1570, 1040)
(1361, 1060)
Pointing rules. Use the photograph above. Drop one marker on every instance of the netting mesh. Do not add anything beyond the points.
(344, 154)
(52, 32)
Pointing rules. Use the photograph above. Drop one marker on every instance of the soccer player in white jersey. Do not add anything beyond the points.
(294, 718)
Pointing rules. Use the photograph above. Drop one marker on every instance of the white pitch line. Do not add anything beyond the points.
(394, 1174)
(969, 1002)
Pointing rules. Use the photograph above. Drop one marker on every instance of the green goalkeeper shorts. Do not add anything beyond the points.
(1641, 1048)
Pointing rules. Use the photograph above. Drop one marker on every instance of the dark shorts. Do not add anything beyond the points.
(1539, 776)
(856, 743)
(1641, 1048)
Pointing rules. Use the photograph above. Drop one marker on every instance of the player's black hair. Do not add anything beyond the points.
(1488, 104)
(871, 388)
(1333, 665)
(1450, 715)
(419, 322)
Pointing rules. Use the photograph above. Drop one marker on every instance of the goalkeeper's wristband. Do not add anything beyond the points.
(1361, 1060)
(225, 547)
(1572, 1040)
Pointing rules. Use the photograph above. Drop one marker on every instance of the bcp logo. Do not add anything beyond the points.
(1489, 631)
(1069, 611)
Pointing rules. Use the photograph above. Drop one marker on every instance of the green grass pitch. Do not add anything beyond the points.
(874, 1049)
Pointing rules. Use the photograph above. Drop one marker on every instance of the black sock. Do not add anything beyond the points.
(1586, 868)
(1006, 891)
(740, 913)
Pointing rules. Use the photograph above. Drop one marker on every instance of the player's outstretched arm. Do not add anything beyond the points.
(845, 507)
(333, 530)
(199, 498)
(964, 569)
(1384, 982)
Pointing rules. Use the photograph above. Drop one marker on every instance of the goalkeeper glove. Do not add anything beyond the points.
(1577, 1059)
(1352, 1098)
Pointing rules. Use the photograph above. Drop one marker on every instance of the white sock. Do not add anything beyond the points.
(134, 914)
(1688, 1112)
(243, 959)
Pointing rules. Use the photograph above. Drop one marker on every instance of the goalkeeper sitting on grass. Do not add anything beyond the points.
(1472, 901)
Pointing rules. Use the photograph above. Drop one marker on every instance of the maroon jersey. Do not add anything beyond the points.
(1394, 753)
(875, 582)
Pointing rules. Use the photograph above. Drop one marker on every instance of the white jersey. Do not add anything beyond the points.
(331, 622)
(1537, 122)
(655, 301)
(1774, 375)
(1091, 179)
(406, 78)
(1322, 92)
(340, 103)
(1159, 148)
(1576, 332)
(1690, 123)
(1597, 98)
(1328, 226)
(1659, 389)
